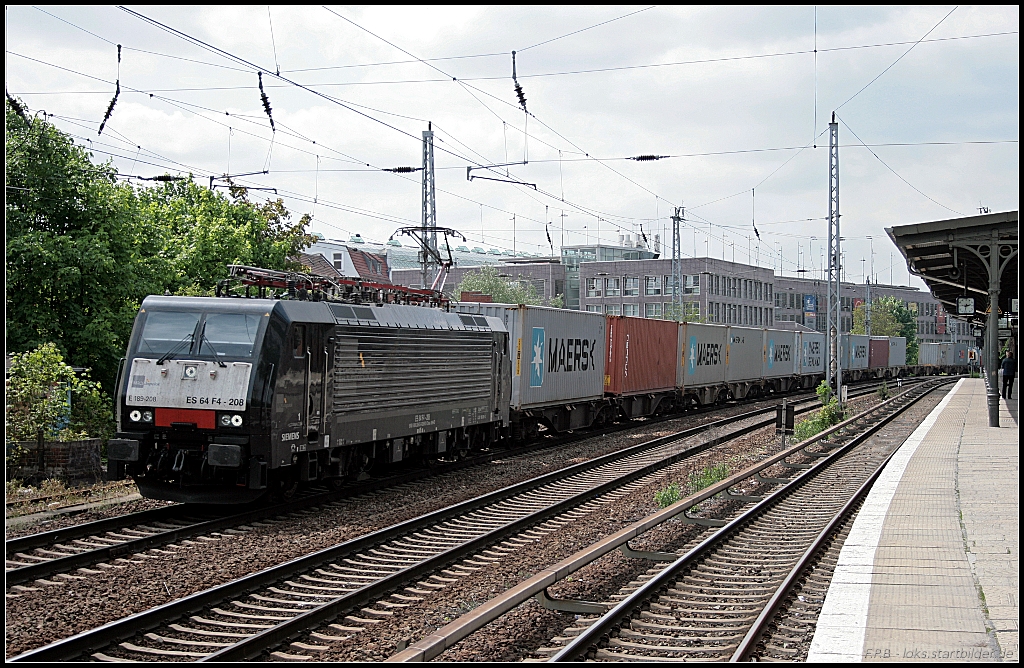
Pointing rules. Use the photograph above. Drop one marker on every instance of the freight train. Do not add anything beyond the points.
(230, 398)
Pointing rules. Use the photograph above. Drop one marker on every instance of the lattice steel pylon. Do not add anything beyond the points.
(429, 220)
(677, 264)
(833, 366)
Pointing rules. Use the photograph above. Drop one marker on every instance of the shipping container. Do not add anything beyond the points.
(897, 351)
(945, 353)
(558, 355)
(959, 354)
(641, 355)
(744, 353)
(878, 352)
(928, 354)
(702, 355)
(854, 351)
(781, 353)
(813, 353)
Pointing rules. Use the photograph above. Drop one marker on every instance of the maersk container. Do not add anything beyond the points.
(641, 355)
(744, 353)
(854, 351)
(701, 355)
(781, 353)
(812, 353)
(558, 355)
(945, 353)
(928, 354)
(897, 351)
(878, 352)
(959, 354)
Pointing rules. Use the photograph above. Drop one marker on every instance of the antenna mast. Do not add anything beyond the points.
(833, 369)
(429, 221)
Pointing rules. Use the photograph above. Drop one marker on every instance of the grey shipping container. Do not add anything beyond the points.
(702, 355)
(959, 354)
(928, 354)
(744, 353)
(854, 351)
(812, 353)
(897, 351)
(781, 353)
(558, 355)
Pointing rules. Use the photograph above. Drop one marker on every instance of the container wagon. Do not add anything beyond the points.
(640, 369)
(558, 366)
(700, 373)
(781, 369)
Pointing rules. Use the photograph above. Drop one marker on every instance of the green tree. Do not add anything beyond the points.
(78, 260)
(39, 386)
(205, 231)
(501, 289)
(889, 317)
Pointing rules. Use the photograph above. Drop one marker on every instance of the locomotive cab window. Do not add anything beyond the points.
(299, 341)
(229, 334)
(166, 331)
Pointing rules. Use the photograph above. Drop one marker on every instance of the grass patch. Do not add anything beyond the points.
(697, 480)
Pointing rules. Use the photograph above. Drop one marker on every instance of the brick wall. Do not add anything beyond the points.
(73, 460)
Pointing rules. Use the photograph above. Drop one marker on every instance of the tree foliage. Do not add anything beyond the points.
(889, 317)
(83, 250)
(501, 289)
(39, 386)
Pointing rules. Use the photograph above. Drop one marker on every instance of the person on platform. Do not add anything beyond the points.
(1009, 373)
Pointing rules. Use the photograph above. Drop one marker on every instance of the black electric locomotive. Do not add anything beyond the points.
(224, 400)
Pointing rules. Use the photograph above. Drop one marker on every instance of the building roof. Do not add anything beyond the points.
(952, 257)
(318, 265)
(370, 266)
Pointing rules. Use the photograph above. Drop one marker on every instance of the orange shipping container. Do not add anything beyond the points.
(641, 355)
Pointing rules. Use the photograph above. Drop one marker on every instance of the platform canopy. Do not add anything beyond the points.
(953, 258)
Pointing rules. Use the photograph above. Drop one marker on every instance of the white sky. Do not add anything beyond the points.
(960, 91)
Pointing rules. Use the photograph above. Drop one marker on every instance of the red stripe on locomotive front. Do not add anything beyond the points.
(200, 418)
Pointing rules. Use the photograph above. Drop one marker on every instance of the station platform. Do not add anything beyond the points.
(929, 571)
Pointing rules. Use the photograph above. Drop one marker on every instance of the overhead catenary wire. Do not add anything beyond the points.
(562, 196)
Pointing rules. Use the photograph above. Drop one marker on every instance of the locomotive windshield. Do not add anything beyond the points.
(229, 334)
(174, 333)
(166, 330)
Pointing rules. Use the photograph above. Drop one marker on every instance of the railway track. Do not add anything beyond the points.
(717, 601)
(44, 555)
(361, 581)
(594, 636)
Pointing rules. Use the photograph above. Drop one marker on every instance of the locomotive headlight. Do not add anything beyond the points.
(135, 416)
(236, 420)
(147, 416)
(225, 420)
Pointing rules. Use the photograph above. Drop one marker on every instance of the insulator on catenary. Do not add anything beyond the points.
(110, 109)
(266, 101)
(162, 177)
(402, 170)
(645, 158)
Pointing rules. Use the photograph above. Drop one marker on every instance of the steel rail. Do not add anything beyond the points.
(94, 639)
(603, 627)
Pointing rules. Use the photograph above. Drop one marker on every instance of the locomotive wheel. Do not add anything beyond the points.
(289, 486)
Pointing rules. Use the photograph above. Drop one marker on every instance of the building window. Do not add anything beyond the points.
(691, 310)
(692, 285)
(652, 285)
(611, 287)
(593, 287)
(670, 285)
(613, 309)
(715, 290)
(631, 309)
(593, 308)
(652, 310)
(631, 287)
(337, 261)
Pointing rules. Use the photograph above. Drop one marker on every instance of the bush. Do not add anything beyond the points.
(883, 391)
(666, 497)
(708, 476)
(830, 415)
(46, 399)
